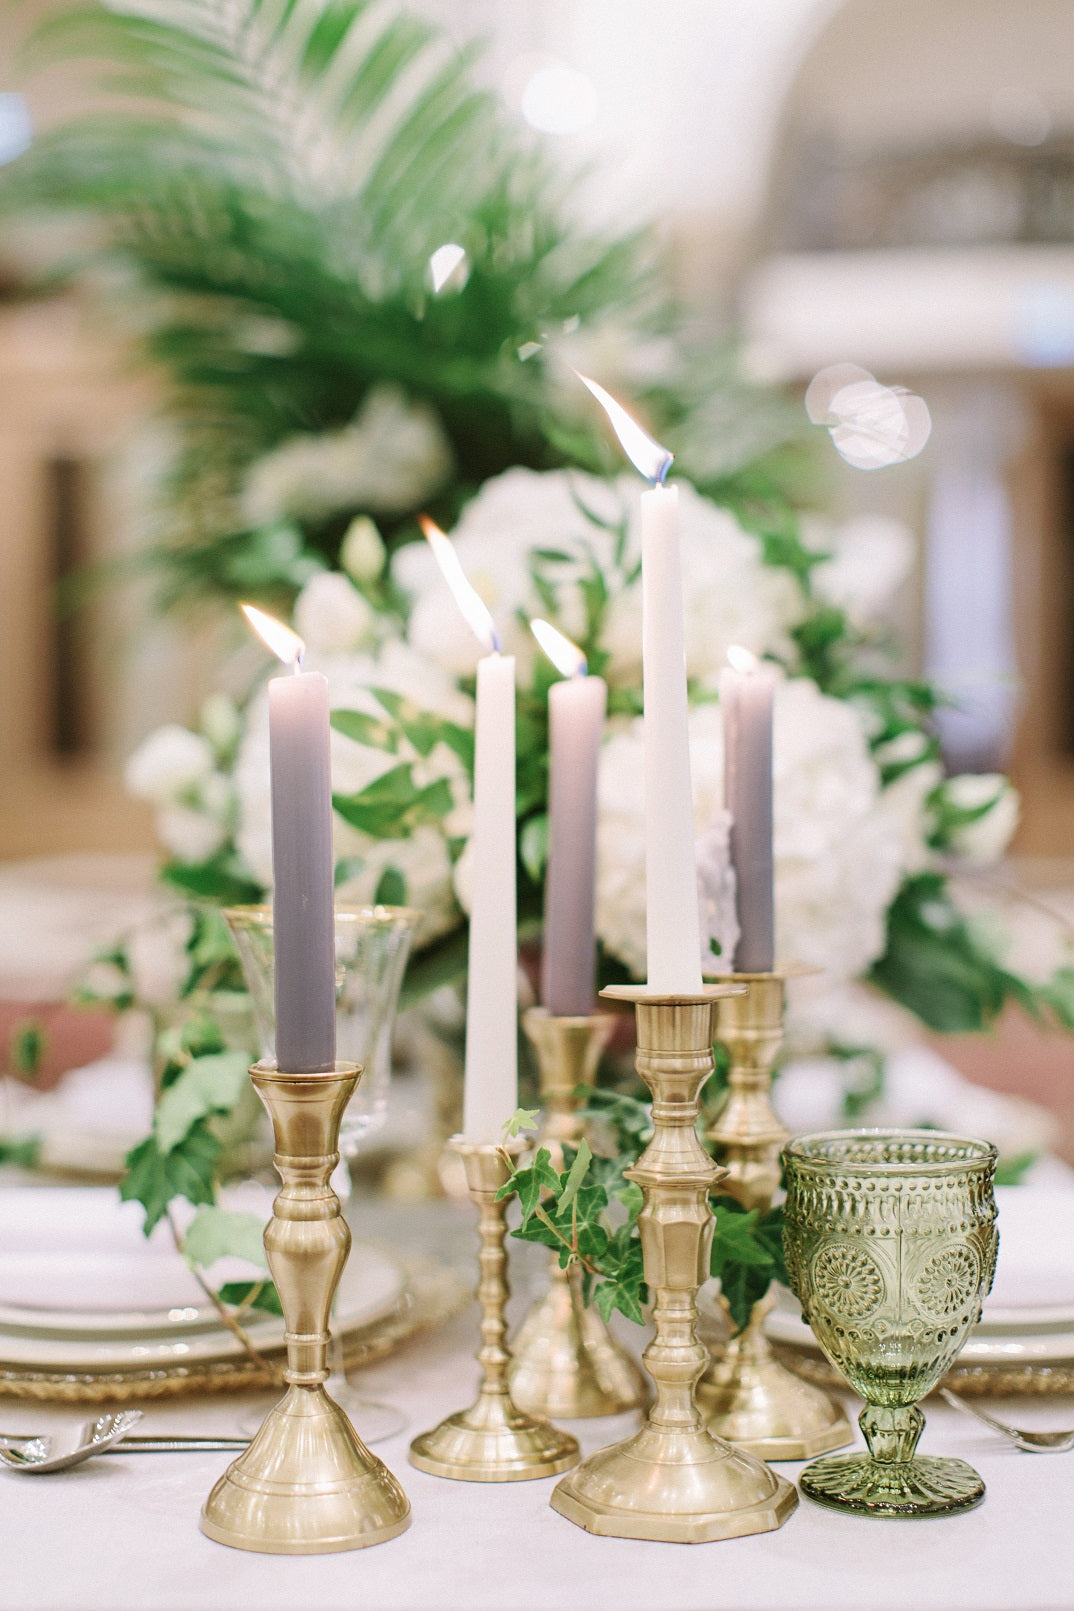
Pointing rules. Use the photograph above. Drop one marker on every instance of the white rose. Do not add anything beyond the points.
(170, 760)
(331, 616)
(984, 840)
(903, 805)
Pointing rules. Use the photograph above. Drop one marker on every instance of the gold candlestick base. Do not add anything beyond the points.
(307, 1484)
(493, 1440)
(674, 1481)
(565, 1360)
(747, 1395)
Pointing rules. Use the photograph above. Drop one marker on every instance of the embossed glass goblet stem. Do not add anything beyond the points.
(890, 1243)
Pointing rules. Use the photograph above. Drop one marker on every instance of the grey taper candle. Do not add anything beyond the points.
(302, 861)
(569, 965)
(746, 694)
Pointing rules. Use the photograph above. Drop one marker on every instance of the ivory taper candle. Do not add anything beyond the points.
(672, 925)
(490, 1083)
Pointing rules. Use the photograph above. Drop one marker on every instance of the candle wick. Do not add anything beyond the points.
(497, 645)
(296, 663)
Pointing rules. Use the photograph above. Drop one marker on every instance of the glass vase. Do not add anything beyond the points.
(890, 1244)
(372, 944)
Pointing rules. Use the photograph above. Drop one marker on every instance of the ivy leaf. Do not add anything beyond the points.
(522, 1119)
(223, 878)
(23, 1151)
(209, 1084)
(28, 1043)
(575, 1175)
(746, 1256)
(216, 1233)
(252, 1295)
(154, 1177)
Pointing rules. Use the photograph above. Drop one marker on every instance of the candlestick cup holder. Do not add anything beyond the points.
(565, 1361)
(674, 1480)
(747, 1395)
(493, 1440)
(306, 1485)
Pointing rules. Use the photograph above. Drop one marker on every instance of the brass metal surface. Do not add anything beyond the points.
(565, 1361)
(747, 1395)
(674, 1481)
(306, 1485)
(493, 1440)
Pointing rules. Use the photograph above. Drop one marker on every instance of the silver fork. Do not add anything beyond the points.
(1032, 1442)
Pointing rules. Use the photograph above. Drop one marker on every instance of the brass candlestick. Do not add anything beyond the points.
(674, 1480)
(749, 1397)
(565, 1360)
(307, 1484)
(493, 1440)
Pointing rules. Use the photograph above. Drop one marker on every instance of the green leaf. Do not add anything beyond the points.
(370, 730)
(222, 879)
(533, 846)
(22, 1151)
(251, 1294)
(746, 1256)
(575, 1175)
(522, 1119)
(28, 1044)
(1012, 1171)
(216, 1233)
(393, 805)
(154, 1177)
(391, 888)
(208, 1084)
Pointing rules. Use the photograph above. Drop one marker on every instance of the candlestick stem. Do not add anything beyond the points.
(673, 1480)
(747, 1394)
(493, 1440)
(306, 1485)
(566, 1361)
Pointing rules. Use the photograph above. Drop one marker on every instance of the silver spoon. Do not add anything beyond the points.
(1032, 1442)
(40, 1444)
(33, 1456)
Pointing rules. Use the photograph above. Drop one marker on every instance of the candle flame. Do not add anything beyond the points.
(645, 455)
(564, 655)
(279, 638)
(466, 595)
(741, 659)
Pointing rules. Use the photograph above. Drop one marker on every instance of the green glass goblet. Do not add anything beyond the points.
(890, 1243)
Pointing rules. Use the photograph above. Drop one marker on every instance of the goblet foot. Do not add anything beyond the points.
(928, 1485)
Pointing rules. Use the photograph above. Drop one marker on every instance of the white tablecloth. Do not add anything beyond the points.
(121, 1533)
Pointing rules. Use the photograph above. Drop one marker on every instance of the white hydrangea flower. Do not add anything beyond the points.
(158, 959)
(389, 459)
(171, 760)
(191, 835)
(331, 616)
(872, 556)
(903, 806)
(838, 859)
(985, 840)
(423, 860)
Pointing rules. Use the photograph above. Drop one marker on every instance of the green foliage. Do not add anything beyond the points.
(936, 964)
(568, 1212)
(155, 1178)
(22, 1151)
(521, 1119)
(747, 1255)
(215, 1233)
(27, 1045)
(222, 878)
(207, 1085)
(252, 1295)
(393, 805)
